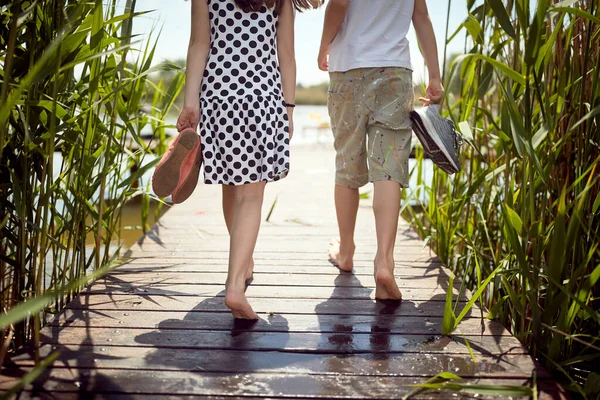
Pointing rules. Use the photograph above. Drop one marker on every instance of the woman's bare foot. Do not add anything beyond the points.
(236, 301)
(250, 271)
(386, 286)
(341, 257)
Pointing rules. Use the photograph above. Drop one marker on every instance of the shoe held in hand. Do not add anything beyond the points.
(438, 136)
(168, 172)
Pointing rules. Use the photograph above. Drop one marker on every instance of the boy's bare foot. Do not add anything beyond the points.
(386, 286)
(250, 271)
(236, 301)
(341, 258)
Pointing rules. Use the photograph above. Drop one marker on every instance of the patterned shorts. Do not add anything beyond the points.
(369, 110)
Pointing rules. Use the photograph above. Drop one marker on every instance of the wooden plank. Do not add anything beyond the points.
(129, 396)
(428, 262)
(305, 342)
(175, 238)
(115, 381)
(323, 268)
(342, 280)
(409, 253)
(264, 259)
(270, 232)
(138, 303)
(241, 361)
(117, 286)
(199, 321)
(218, 231)
(326, 269)
(290, 245)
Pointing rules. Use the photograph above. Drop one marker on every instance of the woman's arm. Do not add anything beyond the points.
(426, 37)
(334, 18)
(287, 56)
(198, 50)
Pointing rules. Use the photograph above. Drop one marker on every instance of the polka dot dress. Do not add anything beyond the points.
(244, 124)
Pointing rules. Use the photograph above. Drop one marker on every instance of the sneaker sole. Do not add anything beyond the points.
(189, 185)
(166, 176)
(437, 142)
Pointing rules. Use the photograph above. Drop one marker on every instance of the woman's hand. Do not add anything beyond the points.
(290, 112)
(189, 118)
(435, 93)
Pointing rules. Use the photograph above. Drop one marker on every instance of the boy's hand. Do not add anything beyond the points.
(435, 93)
(189, 118)
(323, 58)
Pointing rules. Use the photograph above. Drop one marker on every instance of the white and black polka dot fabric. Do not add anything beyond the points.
(244, 125)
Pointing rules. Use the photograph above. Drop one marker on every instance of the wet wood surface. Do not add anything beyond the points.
(156, 327)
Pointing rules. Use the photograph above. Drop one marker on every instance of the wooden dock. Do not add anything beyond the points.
(156, 327)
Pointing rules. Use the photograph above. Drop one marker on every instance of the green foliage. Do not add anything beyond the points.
(312, 95)
(520, 225)
(449, 382)
(74, 102)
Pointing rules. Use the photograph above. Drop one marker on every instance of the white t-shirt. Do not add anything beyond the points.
(373, 35)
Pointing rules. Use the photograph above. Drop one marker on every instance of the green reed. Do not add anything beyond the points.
(75, 84)
(520, 226)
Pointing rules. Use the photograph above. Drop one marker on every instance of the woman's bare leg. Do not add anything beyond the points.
(229, 214)
(248, 201)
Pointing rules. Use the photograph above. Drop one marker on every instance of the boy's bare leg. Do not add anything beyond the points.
(386, 206)
(341, 252)
(229, 214)
(244, 232)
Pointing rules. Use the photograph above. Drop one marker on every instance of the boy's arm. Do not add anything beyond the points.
(334, 18)
(287, 57)
(426, 37)
(197, 55)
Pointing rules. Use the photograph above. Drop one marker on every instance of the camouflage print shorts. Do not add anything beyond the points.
(369, 110)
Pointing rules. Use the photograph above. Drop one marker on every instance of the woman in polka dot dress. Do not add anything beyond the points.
(241, 60)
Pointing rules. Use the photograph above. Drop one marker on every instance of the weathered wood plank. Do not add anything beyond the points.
(324, 268)
(100, 396)
(139, 303)
(115, 381)
(266, 246)
(427, 262)
(199, 321)
(247, 361)
(305, 342)
(342, 280)
(112, 285)
(269, 233)
(409, 253)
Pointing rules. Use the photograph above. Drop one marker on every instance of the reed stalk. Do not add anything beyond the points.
(74, 103)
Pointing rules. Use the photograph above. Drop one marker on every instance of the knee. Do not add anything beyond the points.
(245, 194)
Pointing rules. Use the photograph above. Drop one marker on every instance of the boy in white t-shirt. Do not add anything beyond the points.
(365, 49)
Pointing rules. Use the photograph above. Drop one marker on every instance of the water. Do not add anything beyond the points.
(311, 126)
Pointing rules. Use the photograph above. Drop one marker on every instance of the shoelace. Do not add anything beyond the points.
(457, 137)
